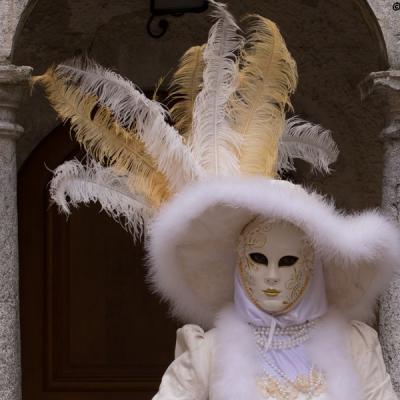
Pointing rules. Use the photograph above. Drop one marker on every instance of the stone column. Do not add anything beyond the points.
(386, 84)
(12, 86)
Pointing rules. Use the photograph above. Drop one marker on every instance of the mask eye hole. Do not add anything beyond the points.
(259, 258)
(287, 261)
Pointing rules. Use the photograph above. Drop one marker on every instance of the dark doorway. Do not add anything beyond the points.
(90, 327)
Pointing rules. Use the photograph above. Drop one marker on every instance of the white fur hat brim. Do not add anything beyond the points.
(192, 245)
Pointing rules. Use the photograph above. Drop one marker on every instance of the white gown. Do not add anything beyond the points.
(191, 375)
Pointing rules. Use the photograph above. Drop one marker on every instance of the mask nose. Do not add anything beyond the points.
(272, 276)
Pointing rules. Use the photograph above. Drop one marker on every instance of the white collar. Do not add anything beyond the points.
(236, 366)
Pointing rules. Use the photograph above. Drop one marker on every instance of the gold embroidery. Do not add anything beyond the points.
(312, 385)
(301, 276)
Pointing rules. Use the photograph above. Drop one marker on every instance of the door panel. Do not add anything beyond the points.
(90, 328)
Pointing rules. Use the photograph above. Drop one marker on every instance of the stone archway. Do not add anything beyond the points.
(387, 16)
(335, 46)
(13, 13)
(15, 16)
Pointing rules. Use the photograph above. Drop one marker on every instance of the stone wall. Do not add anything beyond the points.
(336, 44)
(11, 15)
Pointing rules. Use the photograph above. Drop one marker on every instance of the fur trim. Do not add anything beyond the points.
(329, 349)
(193, 243)
(236, 366)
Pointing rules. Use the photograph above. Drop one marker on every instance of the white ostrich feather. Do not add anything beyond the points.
(75, 183)
(137, 114)
(309, 142)
(214, 143)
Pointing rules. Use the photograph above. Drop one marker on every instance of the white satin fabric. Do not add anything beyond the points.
(191, 375)
(312, 305)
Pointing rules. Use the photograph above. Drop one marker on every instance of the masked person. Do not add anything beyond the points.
(280, 276)
(280, 280)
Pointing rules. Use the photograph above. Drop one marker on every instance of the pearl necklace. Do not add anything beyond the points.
(296, 335)
(286, 388)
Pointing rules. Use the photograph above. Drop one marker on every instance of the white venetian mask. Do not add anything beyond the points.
(276, 263)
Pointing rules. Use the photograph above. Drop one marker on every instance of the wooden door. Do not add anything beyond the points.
(90, 328)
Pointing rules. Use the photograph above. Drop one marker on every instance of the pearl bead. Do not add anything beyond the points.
(290, 336)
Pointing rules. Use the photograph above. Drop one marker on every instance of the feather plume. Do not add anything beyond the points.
(214, 143)
(103, 139)
(75, 183)
(185, 86)
(138, 115)
(309, 142)
(159, 83)
(267, 77)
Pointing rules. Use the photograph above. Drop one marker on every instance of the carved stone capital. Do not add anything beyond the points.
(13, 86)
(386, 85)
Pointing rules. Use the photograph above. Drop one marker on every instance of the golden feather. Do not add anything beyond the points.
(267, 77)
(185, 86)
(159, 83)
(104, 139)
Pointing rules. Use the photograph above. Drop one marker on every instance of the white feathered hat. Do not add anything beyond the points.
(196, 183)
(193, 245)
